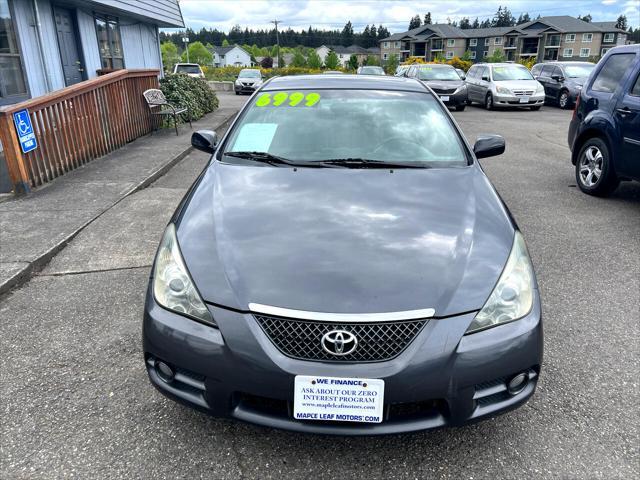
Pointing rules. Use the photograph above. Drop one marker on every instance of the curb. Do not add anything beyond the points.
(34, 266)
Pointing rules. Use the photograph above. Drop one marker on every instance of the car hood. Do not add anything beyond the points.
(248, 80)
(519, 84)
(443, 85)
(345, 240)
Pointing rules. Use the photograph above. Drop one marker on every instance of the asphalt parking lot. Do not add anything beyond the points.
(76, 400)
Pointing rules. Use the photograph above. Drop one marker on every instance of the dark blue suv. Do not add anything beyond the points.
(604, 135)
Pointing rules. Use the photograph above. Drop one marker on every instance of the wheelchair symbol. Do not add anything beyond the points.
(23, 126)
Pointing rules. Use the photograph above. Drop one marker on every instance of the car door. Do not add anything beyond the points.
(545, 78)
(483, 83)
(627, 116)
(554, 83)
(470, 82)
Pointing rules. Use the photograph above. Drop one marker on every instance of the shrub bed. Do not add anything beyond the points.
(230, 73)
(190, 92)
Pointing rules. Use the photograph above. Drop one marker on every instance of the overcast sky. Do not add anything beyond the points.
(395, 15)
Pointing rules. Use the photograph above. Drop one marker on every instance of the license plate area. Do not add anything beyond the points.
(444, 98)
(359, 400)
(524, 99)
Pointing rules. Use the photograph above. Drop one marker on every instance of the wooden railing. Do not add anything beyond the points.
(76, 125)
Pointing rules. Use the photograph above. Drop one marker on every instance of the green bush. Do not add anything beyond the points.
(190, 92)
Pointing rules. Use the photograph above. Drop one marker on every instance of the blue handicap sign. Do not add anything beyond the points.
(24, 129)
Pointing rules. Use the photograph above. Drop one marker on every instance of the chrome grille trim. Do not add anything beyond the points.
(523, 93)
(377, 341)
(341, 317)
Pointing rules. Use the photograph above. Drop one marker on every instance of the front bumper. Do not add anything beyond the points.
(453, 99)
(442, 378)
(245, 88)
(504, 100)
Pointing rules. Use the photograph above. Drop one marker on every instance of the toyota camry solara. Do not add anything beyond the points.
(343, 265)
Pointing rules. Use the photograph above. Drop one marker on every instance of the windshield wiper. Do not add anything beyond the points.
(369, 163)
(265, 157)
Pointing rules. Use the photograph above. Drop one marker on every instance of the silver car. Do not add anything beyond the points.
(503, 85)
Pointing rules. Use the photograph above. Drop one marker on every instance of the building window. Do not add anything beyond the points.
(570, 37)
(485, 53)
(486, 42)
(473, 42)
(449, 55)
(587, 37)
(497, 41)
(451, 42)
(385, 45)
(12, 82)
(473, 54)
(568, 52)
(396, 45)
(385, 56)
(585, 52)
(109, 42)
(608, 37)
(604, 50)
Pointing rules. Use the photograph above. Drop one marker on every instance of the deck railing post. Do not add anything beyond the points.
(18, 172)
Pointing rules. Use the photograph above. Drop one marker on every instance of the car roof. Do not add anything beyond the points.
(341, 81)
(635, 48)
(185, 63)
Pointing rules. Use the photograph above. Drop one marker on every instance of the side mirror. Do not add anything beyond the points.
(485, 78)
(204, 140)
(463, 76)
(557, 78)
(488, 146)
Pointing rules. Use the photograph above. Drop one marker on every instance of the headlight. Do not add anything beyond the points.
(461, 88)
(512, 297)
(540, 88)
(237, 82)
(172, 286)
(505, 90)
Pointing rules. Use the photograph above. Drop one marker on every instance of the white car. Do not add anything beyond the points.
(503, 85)
(191, 69)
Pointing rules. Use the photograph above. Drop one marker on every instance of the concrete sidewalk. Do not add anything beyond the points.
(35, 227)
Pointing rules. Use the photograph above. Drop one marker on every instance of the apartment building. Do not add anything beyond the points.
(548, 38)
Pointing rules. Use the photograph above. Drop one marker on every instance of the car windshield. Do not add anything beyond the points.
(348, 125)
(578, 71)
(187, 69)
(511, 73)
(438, 73)
(372, 71)
(249, 74)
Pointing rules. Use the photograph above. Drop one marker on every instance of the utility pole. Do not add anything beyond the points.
(276, 22)
(185, 39)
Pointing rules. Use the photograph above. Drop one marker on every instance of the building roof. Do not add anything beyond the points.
(560, 23)
(223, 50)
(348, 50)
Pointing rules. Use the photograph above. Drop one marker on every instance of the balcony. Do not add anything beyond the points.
(435, 46)
(552, 41)
(510, 43)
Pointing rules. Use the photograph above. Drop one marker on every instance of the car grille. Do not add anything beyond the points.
(377, 341)
(523, 93)
(444, 90)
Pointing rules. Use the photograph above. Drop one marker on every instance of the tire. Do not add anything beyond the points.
(536, 108)
(237, 92)
(488, 102)
(460, 108)
(564, 101)
(594, 160)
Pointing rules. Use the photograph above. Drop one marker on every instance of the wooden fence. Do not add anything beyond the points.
(76, 125)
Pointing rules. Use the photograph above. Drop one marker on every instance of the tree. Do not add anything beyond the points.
(383, 32)
(464, 23)
(314, 61)
(392, 64)
(476, 23)
(266, 62)
(427, 18)
(169, 55)
(332, 62)
(586, 18)
(347, 34)
(523, 18)
(353, 62)
(298, 59)
(466, 56)
(198, 53)
(414, 22)
(621, 23)
(496, 57)
(503, 18)
(372, 60)
(225, 43)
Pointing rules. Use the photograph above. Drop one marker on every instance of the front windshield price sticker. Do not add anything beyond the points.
(338, 399)
(288, 99)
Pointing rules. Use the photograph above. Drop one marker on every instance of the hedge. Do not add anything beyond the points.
(190, 92)
(230, 73)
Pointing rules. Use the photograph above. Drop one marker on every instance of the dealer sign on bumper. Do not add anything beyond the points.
(338, 399)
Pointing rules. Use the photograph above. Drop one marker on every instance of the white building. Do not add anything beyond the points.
(231, 56)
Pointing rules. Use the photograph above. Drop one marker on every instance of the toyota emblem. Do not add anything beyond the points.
(339, 342)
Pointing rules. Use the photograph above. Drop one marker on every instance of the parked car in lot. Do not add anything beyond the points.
(247, 81)
(344, 266)
(401, 69)
(503, 85)
(444, 81)
(191, 69)
(461, 73)
(370, 70)
(562, 81)
(604, 134)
